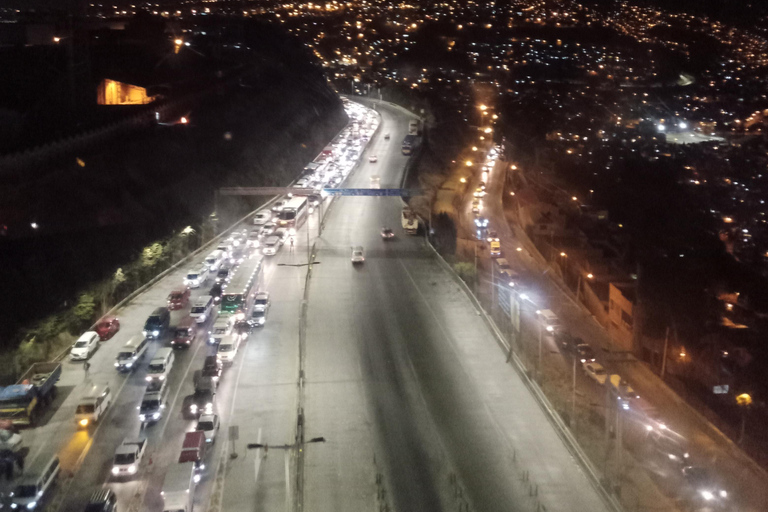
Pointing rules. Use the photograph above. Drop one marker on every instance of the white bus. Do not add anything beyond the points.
(293, 214)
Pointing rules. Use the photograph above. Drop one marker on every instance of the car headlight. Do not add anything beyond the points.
(84, 422)
(671, 456)
(196, 478)
(31, 505)
(162, 377)
(156, 416)
(723, 494)
(117, 364)
(707, 495)
(193, 408)
(129, 364)
(142, 417)
(550, 328)
(207, 439)
(261, 320)
(209, 406)
(155, 333)
(14, 505)
(132, 468)
(149, 379)
(144, 332)
(115, 470)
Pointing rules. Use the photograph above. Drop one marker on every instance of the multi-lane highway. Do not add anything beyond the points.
(388, 361)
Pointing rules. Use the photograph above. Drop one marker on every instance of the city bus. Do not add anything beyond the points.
(293, 214)
(237, 299)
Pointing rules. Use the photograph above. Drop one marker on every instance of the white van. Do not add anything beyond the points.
(131, 352)
(228, 349)
(161, 364)
(32, 489)
(548, 320)
(196, 277)
(214, 260)
(93, 405)
(202, 309)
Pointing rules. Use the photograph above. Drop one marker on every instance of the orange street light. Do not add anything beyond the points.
(563, 255)
(590, 275)
(468, 163)
(463, 180)
(178, 42)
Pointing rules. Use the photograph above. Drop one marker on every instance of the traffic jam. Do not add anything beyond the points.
(220, 302)
(666, 453)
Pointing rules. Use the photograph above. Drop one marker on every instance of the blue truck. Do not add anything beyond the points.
(23, 402)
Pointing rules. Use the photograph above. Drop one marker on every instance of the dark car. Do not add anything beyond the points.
(567, 341)
(157, 323)
(103, 500)
(201, 402)
(107, 327)
(387, 233)
(704, 487)
(215, 292)
(585, 353)
(212, 367)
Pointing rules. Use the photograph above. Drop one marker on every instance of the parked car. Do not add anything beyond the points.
(107, 327)
(84, 346)
(596, 372)
(585, 353)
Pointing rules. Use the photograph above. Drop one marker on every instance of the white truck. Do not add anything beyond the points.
(409, 221)
(179, 487)
(128, 457)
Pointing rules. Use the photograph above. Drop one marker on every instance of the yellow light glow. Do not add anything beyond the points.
(178, 42)
(468, 163)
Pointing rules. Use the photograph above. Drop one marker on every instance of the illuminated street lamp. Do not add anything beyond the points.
(468, 163)
(463, 180)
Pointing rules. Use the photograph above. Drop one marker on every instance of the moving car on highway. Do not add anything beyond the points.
(357, 255)
(157, 323)
(178, 299)
(387, 233)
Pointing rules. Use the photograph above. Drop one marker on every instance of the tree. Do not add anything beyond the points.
(445, 234)
(82, 313)
(466, 271)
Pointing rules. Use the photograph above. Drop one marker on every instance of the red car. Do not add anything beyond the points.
(107, 327)
(178, 299)
(184, 333)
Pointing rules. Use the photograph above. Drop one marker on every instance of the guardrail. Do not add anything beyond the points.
(561, 428)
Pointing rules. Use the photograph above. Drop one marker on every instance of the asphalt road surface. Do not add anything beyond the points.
(388, 361)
